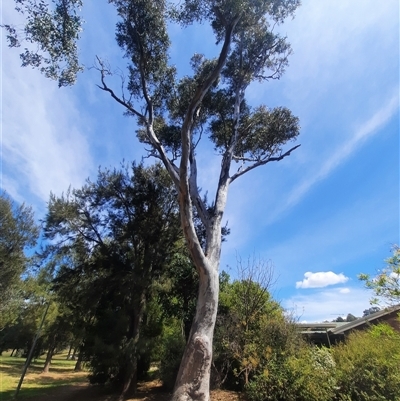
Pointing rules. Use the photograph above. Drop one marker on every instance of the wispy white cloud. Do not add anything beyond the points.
(343, 152)
(44, 146)
(349, 28)
(321, 279)
(325, 305)
(42, 141)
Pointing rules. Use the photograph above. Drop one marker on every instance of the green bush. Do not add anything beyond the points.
(171, 354)
(268, 384)
(368, 366)
(311, 375)
(306, 375)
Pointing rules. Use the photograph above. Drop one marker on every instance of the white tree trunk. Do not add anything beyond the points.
(193, 381)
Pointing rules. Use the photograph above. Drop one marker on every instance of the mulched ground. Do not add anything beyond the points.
(149, 391)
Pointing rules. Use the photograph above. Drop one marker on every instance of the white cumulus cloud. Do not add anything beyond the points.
(321, 279)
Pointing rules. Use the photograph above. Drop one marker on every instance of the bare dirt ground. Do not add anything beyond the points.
(148, 391)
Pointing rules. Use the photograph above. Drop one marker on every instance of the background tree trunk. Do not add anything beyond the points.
(130, 381)
(49, 355)
(78, 365)
(69, 351)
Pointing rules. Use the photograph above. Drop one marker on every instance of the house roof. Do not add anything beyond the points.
(342, 327)
(363, 320)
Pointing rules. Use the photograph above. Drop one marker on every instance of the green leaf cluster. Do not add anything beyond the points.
(55, 29)
(386, 284)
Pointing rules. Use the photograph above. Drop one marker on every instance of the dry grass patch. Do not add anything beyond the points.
(35, 383)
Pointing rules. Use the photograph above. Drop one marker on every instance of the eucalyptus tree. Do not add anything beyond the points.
(175, 114)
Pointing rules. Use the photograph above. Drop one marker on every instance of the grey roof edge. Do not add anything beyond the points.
(317, 325)
(364, 319)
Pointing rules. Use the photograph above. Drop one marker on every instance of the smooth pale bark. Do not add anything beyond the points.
(193, 381)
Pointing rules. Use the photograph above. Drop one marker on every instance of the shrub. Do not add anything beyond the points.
(311, 374)
(368, 366)
(268, 384)
(306, 375)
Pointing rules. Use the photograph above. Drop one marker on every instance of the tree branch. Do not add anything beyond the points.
(172, 169)
(262, 162)
(103, 72)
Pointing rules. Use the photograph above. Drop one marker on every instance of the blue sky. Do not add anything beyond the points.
(322, 216)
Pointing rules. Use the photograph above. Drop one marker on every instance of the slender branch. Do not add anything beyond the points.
(262, 162)
(203, 89)
(105, 88)
(173, 170)
(224, 180)
(89, 221)
(246, 159)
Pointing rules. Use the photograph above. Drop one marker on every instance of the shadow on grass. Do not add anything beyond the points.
(33, 368)
(29, 393)
(23, 394)
(85, 393)
(64, 393)
(12, 366)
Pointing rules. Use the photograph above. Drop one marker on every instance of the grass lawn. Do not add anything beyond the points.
(35, 383)
(60, 384)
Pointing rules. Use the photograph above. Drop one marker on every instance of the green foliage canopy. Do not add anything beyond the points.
(211, 100)
(18, 233)
(116, 234)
